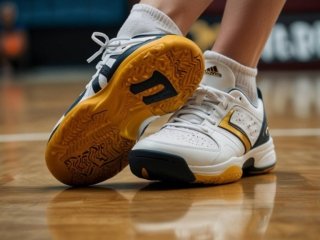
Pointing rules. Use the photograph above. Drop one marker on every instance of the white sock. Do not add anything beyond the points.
(145, 19)
(224, 73)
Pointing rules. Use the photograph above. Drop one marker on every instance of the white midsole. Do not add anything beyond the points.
(264, 156)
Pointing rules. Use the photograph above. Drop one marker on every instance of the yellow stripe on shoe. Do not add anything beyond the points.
(227, 125)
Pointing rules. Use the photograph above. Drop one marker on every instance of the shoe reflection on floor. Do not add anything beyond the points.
(234, 211)
(240, 210)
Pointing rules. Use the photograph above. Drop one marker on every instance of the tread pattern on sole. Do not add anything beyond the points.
(92, 142)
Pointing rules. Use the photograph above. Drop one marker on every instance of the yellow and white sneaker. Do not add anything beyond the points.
(136, 79)
(215, 138)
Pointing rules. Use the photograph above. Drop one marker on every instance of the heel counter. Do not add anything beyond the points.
(264, 134)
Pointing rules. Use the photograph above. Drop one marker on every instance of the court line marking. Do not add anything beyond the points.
(24, 137)
(295, 132)
(43, 136)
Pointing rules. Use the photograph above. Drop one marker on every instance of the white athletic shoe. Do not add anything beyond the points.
(215, 138)
(136, 79)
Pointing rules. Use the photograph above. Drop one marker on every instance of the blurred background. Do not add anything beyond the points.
(44, 45)
(44, 42)
(56, 33)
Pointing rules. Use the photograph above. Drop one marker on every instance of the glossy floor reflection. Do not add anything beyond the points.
(240, 210)
(282, 205)
(162, 211)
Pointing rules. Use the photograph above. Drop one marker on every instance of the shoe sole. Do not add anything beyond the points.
(153, 165)
(92, 142)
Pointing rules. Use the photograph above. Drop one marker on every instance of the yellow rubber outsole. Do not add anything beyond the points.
(231, 174)
(93, 140)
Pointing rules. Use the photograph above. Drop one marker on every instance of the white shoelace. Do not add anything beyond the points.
(207, 104)
(108, 46)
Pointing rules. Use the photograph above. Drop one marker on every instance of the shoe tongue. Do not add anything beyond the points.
(218, 75)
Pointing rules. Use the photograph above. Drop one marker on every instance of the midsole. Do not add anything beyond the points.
(264, 156)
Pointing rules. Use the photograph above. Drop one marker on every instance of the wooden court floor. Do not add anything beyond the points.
(282, 205)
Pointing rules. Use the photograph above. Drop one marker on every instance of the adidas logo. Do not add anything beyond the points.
(213, 70)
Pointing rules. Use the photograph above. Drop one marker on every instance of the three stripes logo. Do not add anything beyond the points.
(157, 78)
(213, 71)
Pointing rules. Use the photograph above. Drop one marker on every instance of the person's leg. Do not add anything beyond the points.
(245, 28)
(157, 16)
(183, 13)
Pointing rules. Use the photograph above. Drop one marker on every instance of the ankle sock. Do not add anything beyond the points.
(145, 19)
(225, 73)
